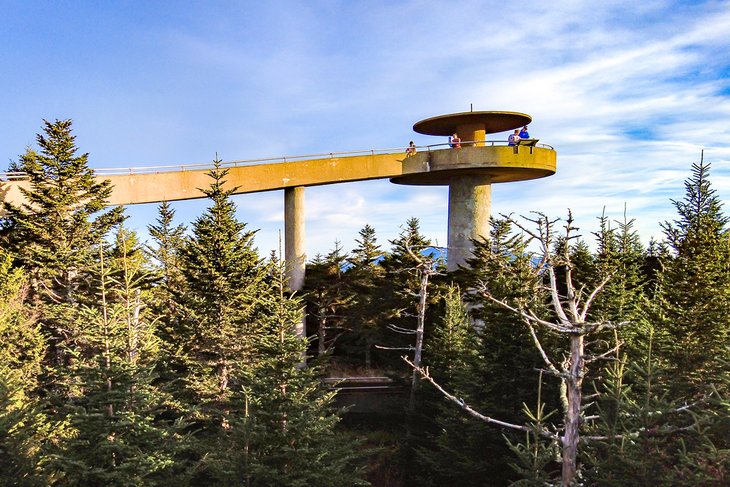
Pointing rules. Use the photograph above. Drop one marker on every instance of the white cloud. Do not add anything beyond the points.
(628, 93)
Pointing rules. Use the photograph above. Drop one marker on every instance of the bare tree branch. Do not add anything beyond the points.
(400, 329)
(406, 349)
(471, 411)
(593, 295)
(604, 356)
(537, 343)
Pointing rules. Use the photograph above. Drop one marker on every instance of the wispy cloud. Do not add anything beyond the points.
(628, 93)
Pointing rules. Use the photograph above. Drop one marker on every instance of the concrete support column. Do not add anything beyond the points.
(294, 244)
(294, 236)
(470, 204)
(472, 132)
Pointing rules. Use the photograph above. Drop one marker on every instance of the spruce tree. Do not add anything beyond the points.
(168, 240)
(53, 232)
(403, 267)
(327, 297)
(286, 436)
(221, 307)
(365, 278)
(122, 423)
(695, 288)
(620, 254)
(24, 428)
(504, 367)
(453, 450)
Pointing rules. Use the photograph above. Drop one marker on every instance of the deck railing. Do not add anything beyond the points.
(128, 171)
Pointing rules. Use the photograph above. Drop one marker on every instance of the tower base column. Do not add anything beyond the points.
(294, 255)
(470, 202)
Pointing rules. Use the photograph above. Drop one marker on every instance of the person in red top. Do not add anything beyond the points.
(455, 142)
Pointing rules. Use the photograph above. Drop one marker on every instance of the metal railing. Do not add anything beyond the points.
(128, 171)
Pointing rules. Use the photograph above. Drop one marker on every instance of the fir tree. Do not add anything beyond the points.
(122, 432)
(405, 267)
(221, 308)
(168, 243)
(453, 451)
(695, 287)
(620, 254)
(327, 296)
(24, 428)
(365, 279)
(286, 436)
(54, 231)
(501, 369)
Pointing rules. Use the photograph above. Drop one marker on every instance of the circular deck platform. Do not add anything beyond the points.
(489, 122)
(499, 164)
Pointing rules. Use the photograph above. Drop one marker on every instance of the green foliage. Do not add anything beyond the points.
(365, 278)
(224, 280)
(260, 417)
(286, 436)
(535, 455)
(449, 451)
(23, 427)
(117, 413)
(487, 358)
(55, 229)
(405, 265)
(166, 254)
(328, 295)
(695, 288)
(53, 233)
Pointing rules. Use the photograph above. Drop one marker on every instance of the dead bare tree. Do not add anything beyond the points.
(569, 307)
(425, 267)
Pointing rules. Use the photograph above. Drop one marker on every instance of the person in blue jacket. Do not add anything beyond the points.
(524, 134)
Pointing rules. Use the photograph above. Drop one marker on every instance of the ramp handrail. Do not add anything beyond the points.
(127, 171)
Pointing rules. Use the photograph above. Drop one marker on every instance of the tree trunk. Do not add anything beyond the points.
(423, 292)
(321, 333)
(574, 384)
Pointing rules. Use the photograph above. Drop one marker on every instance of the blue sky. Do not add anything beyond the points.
(628, 93)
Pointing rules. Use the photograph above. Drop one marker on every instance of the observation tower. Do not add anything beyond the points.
(470, 171)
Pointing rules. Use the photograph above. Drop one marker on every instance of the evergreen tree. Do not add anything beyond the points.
(453, 450)
(327, 296)
(502, 370)
(695, 288)
(620, 254)
(404, 273)
(53, 232)
(23, 426)
(168, 243)
(365, 278)
(221, 308)
(286, 436)
(122, 432)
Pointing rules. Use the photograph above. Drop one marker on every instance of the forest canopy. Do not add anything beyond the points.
(552, 358)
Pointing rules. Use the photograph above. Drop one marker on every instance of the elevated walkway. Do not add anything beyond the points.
(469, 170)
(431, 165)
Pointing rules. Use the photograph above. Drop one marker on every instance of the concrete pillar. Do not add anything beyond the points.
(470, 202)
(294, 236)
(474, 132)
(294, 255)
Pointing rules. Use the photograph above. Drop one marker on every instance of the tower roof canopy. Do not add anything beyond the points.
(492, 122)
